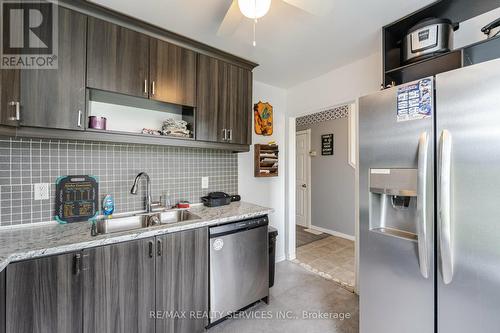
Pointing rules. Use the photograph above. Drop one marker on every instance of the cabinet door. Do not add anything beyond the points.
(119, 288)
(224, 100)
(182, 281)
(223, 105)
(55, 98)
(44, 295)
(117, 59)
(10, 96)
(2, 301)
(172, 73)
(240, 105)
(207, 111)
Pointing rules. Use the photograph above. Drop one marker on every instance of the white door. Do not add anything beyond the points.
(302, 178)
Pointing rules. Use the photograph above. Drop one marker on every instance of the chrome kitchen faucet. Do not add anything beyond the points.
(133, 190)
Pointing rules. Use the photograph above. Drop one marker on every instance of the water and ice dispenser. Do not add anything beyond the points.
(393, 202)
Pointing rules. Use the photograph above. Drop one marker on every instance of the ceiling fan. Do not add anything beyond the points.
(255, 9)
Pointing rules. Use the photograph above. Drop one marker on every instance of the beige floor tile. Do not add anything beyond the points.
(305, 257)
(332, 256)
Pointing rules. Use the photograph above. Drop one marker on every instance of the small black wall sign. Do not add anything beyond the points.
(327, 144)
(76, 198)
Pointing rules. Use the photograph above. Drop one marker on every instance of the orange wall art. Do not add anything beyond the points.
(263, 118)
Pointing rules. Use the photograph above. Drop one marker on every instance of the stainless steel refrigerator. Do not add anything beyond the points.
(430, 205)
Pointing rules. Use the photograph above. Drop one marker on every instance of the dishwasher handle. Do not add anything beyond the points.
(239, 226)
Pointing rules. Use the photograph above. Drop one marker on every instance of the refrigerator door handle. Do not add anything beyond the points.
(423, 244)
(445, 239)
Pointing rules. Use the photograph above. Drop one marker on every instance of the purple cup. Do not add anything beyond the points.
(97, 122)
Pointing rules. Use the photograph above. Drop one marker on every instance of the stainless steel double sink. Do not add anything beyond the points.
(144, 220)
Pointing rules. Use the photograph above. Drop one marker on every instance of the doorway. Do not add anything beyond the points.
(325, 187)
(304, 234)
(303, 178)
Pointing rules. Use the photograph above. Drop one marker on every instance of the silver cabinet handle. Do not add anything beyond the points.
(445, 233)
(145, 87)
(153, 88)
(17, 115)
(230, 134)
(423, 241)
(224, 134)
(79, 118)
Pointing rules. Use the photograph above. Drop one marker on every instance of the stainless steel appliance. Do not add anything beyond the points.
(428, 38)
(429, 222)
(239, 266)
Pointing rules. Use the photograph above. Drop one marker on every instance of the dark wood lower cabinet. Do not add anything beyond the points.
(150, 285)
(182, 281)
(44, 295)
(119, 288)
(2, 301)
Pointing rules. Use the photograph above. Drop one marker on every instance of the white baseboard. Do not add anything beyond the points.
(281, 258)
(333, 233)
(303, 225)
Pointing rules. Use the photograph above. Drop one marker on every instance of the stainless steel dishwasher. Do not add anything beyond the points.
(239, 266)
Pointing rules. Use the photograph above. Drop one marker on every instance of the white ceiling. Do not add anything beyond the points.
(292, 45)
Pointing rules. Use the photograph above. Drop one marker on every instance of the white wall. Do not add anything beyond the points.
(340, 86)
(269, 192)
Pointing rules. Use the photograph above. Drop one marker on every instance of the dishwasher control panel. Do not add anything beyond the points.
(239, 226)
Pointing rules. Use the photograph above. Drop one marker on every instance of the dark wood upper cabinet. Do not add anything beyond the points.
(96, 54)
(239, 122)
(207, 111)
(119, 288)
(224, 112)
(246, 106)
(10, 97)
(172, 73)
(50, 98)
(55, 98)
(223, 100)
(117, 59)
(182, 280)
(44, 295)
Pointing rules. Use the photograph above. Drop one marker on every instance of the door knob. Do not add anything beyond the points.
(304, 185)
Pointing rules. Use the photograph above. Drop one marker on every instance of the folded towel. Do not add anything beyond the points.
(174, 123)
(150, 131)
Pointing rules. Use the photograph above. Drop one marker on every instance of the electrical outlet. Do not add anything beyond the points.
(41, 191)
(204, 182)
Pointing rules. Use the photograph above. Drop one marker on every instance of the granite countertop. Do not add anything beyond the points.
(31, 242)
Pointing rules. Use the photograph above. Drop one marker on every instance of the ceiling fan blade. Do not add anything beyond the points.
(315, 7)
(231, 20)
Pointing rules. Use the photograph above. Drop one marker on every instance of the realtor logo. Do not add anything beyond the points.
(29, 36)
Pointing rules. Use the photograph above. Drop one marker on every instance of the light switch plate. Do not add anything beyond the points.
(41, 191)
(204, 182)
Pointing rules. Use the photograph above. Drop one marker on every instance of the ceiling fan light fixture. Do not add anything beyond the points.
(254, 9)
